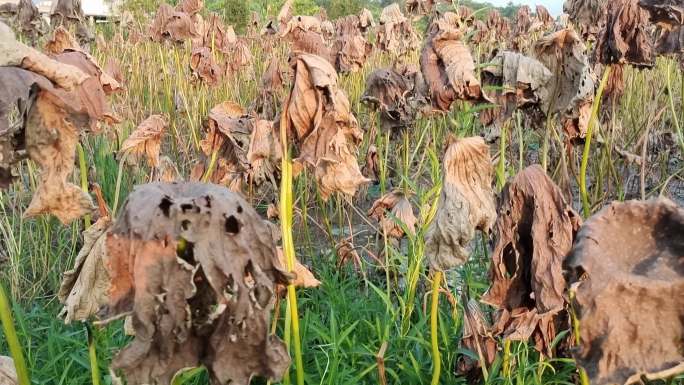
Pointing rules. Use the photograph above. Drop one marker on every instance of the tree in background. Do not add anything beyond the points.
(235, 12)
(341, 8)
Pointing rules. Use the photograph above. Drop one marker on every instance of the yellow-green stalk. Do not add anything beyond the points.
(12, 339)
(434, 328)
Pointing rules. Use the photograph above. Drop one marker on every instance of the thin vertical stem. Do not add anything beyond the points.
(92, 355)
(586, 208)
(12, 339)
(434, 323)
(83, 169)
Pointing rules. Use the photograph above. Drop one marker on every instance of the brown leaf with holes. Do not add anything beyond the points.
(588, 16)
(8, 373)
(203, 66)
(391, 211)
(447, 65)
(534, 233)
(197, 268)
(146, 139)
(466, 203)
(84, 288)
(395, 33)
(628, 277)
(563, 53)
(626, 37)
(324, 128)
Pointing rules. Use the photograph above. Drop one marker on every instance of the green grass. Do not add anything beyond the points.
(344, 322)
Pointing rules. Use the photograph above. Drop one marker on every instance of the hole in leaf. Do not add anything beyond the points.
(232, 225)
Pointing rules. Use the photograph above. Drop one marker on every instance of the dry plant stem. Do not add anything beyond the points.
(586, 208)
(288, 243)
(12, 340)
(680, 135)
(434, 326)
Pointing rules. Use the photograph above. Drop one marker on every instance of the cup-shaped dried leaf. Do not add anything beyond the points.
(268, 99)
(629, 273)
(447, 65)
(203, 66)
(465, 205)
(146, 139)
(588, 16)
(84, 288)
(534, 232)
(324, 128)
(393, 210)
(285, 14)
(197, 268)
(625, 38)
(572, 84)
(8, 373)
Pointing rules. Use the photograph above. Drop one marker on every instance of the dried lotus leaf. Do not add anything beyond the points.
(626, 38)
(203, 66)
(465, 205)
(400, 212)
(197, 268)
(146, 139)
(628, 278)
(8, 372)
(534, 233)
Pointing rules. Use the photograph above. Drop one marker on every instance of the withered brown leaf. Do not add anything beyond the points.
(626, 270)
(146, 139)
(325, 129)
(466, 203)
(203, 66)
(534, 233)
(625, 38)
(588, 16)
(8, 373)
(395, 33)
(197, 268)
(401, 212)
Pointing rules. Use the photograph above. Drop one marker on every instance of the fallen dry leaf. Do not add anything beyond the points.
(325, 130)
(626, 270)
(400, 212)
(625, 38)
(534, 233)
(563, 53)
(466, 203)
(84, 288)
(447, 65)
(8, 373)
(197, 269)
(203, 66)
(146, 139)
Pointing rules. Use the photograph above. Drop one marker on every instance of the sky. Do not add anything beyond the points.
(555, 7)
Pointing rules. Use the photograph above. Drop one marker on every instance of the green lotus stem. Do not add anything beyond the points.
(92, 355)
(117, 189)
(434, 326)
(288, 242)
(12, 340)
(507, 358)
(586, 208)
(210, 169)
(83, 168)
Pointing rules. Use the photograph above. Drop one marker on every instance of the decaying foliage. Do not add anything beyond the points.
(8, 373)
(534, 232)
(625, 38)
(172, 24)
(203, 66)
(466, 203)
(394, 212)
(51, 116)
(397, 93)
(588, 16)
(499, 26)
(668, 16)
(268, 99)
(395, 32)
(264, 153)
(323, 126)
(627, 269)
(517, 81)
(419, 7)
(447, 65)
(146, 139)
(197, 269)
(523, 20)
(366, 21)
(350, 49)
(478, 338)
(24, 17)
(83, 290)
(543, 16)
(572, 83)
(216, 34)
(306, 36)
(69, 13)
